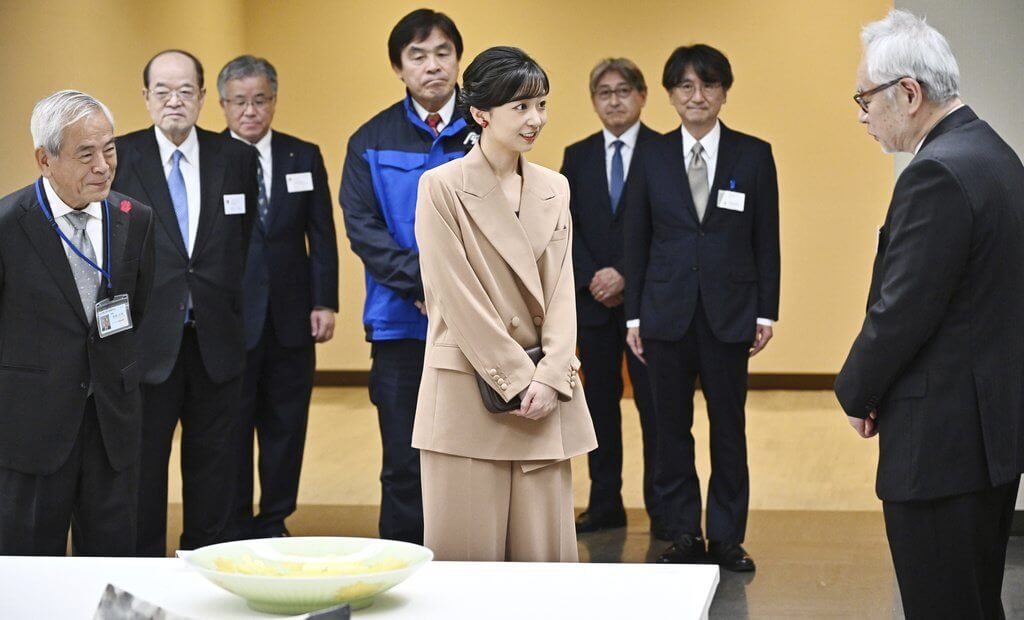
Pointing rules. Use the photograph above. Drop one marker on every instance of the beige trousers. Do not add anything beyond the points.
(480, 510)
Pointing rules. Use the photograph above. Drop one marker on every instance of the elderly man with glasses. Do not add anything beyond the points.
(291, 294)
(202, 187)
(936, 370)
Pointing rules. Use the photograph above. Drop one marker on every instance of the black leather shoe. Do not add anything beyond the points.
(585, 523)
(661, 532)
(687, 549)
(731, 556)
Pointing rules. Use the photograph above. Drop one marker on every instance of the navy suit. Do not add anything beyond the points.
(598, 243)
(284, 282)
(698, 288)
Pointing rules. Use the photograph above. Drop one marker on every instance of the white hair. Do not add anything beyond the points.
(904, 45)
(58, 111)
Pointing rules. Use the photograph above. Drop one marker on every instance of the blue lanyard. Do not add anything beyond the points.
(40, 195)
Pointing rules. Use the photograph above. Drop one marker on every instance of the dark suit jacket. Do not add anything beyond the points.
(597, 231)
(216, 269)
(939, 355)
(280, 274)
(49, 354)
(731, 260)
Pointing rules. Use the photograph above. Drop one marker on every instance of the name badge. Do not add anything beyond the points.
(299, 182)
(732, 201)
(234, 204)
(113, 315)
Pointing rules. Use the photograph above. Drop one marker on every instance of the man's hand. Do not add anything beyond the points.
(865, 427)
(422, 307)
(764, 334)
(538, 401)
(607, 283)
(321, 320)
(635, 344)
(613, 301)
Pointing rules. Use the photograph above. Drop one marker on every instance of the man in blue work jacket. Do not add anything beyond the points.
(385, 159)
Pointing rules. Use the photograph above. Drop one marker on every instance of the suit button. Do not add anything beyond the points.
(694, 268)
(492, 372)
(537, 321)
(92, 339)
(503, 387)
(84, 385)
(515, 321)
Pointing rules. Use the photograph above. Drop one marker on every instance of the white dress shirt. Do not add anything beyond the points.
(189, 166)
(446, 112)
(709, 143)
(266, 158)
(628, 138)
(93, 228)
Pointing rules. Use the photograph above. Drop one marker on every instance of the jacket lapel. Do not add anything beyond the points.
(284, 164)
(150, 169)
(727, 156)
(676, 161)
(211, 181)
(118, 236)
(51, 250)
(496, 219)
(599, 170)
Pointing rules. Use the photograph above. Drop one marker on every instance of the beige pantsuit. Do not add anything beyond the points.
(495, 285)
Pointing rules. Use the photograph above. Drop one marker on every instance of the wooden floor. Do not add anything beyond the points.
(803, 455)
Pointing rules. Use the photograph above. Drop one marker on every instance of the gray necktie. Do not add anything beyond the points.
(86, 277)
(698, 175)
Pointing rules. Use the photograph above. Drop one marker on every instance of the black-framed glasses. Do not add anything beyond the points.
(860, 97)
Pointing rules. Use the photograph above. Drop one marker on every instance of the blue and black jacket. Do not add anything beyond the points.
(385, 159)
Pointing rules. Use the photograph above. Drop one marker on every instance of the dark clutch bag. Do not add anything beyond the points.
(495, 403)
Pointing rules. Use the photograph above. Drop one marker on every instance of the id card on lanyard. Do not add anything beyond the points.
(113, 314)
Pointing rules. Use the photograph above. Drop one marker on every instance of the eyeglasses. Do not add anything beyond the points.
(622, 92)
(860, 97)
(163, 95)
(258, 103)
(689, 89)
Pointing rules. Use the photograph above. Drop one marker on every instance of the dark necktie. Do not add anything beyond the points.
(618, 176)
(87, 279)
(262, 203)
(434, 119)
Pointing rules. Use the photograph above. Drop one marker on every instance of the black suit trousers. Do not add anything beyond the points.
(722, 367)
(208, 412)
(394, 387)
(949, 553)
(275, 405)
(85, 492)
(601, 349)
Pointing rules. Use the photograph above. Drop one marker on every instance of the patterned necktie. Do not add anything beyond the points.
(179, 197)
(262, 204)
(618, 176)
(87, 279)
(434, 119)
(698, 176)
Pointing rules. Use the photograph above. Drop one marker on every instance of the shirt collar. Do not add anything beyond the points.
(446, 111)
(58, 208)
(189, 148)
(919, 144)
(709, 142)
(628, 137)
(263, 145)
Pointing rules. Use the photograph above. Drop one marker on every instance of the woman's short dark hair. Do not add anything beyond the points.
(500, 75)
(710, 65)
(417, 26)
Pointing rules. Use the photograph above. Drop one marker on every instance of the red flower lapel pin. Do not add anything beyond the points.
(126, 206)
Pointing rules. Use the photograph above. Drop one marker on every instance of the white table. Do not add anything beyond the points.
(70, 588)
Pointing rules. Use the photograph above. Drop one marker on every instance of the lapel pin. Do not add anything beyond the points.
(126, 206)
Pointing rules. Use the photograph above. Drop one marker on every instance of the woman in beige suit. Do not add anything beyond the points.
(495, 255)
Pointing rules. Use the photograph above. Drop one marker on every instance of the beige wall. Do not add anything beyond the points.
(794, 62)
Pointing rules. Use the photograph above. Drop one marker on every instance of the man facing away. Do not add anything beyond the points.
(936, 369)
(76, 269)
(383, 165)
(202, 187)
(291, 294)
(597, 168)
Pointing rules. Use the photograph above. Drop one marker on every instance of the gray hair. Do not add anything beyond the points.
(903, 44)
(60, 110)
(624, 67)
(243, 67)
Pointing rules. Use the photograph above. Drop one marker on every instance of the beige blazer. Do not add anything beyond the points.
(495, 285)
